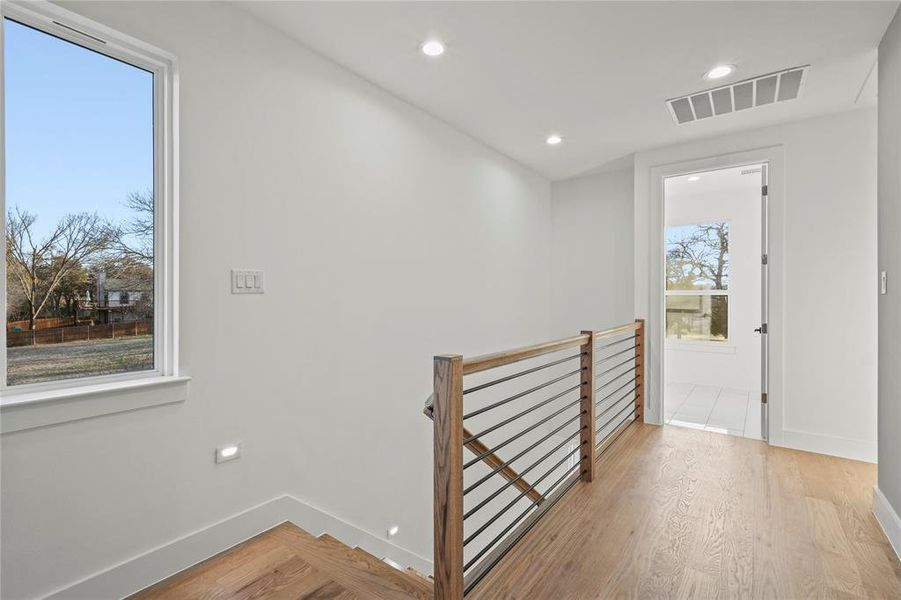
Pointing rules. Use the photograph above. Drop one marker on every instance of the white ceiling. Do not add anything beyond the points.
(598, 73)
(718, 181)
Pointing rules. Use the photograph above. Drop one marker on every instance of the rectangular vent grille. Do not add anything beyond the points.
(758, 91)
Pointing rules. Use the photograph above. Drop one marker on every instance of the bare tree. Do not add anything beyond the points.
(40, 266)
(134, 239)
(704, 254)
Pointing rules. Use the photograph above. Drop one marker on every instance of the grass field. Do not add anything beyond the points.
(33, 364)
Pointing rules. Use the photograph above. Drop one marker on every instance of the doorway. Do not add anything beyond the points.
(715, 300)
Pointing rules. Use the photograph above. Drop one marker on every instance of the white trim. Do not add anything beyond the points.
(155, 565)
(864, 450)
(649, 258)
(888, 519)
(74, 28)
(83, 402)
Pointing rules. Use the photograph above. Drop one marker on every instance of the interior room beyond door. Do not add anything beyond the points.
(714, 300)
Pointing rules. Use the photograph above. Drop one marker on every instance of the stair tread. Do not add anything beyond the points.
(354, 568)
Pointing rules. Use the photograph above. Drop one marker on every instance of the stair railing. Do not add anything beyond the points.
(597, 377)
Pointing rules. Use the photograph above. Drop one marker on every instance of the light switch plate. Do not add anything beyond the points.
(247, 281)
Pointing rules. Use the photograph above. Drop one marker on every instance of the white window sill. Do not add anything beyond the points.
(27, 410)
(710, 347)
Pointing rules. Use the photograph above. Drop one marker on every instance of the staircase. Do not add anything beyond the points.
(288, 562)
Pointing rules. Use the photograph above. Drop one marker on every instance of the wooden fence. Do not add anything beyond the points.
(44, 323)
(78, 333)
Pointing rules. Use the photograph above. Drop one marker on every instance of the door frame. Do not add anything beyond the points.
(655, 312)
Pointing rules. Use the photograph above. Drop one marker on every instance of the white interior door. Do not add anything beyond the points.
(764, 304)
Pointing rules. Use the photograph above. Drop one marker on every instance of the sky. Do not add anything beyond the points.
(79, 128)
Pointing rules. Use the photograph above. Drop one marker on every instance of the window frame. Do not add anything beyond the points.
(675, 342)
(66, 25)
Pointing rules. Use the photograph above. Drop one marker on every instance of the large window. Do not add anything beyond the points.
(697, 282)
(88, 204)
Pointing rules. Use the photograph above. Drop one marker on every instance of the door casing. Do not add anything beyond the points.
(653, 309)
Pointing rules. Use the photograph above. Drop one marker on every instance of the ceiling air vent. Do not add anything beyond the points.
(758, 91)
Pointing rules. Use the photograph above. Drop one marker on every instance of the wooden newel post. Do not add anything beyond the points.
(448, 508)
(587, 433)
(639, 370)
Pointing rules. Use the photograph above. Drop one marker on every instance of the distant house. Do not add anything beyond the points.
(117, 299)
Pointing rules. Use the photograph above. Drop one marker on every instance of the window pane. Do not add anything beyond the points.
(80, 205)
(697, 257)
(697, 317)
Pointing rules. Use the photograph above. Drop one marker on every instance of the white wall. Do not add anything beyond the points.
(386, 236)
(827, 260)
(890, 261)
(729, 196)
(591, 258)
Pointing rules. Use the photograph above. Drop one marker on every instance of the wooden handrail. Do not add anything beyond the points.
(484, 362)
(616, 330)
(508, 357)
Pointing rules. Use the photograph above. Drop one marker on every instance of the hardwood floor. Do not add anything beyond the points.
(672, 513)
(288, 563)
(682, 513)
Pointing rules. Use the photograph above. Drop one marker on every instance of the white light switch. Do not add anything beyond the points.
(245, 281)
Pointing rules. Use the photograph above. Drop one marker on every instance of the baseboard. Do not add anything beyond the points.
(888, 519)
(824, 444)
(155, 565)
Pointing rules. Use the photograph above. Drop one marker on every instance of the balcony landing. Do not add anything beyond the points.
(681, 513)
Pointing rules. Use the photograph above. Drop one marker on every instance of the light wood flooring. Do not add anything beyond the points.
(673, 513)
(684, 513)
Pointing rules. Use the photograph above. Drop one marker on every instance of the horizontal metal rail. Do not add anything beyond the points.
(611, 344)
(614, 403)
(615, 367)
(609, 383)
(520, 415)
(601, 428)
(614, 435)
(614, 355)
(519, 435)
(554, 363)
(525, 472)
(522, 453)
(520, 394)
(485, 567)
(614, 392)
(522, 495)
(507, 529)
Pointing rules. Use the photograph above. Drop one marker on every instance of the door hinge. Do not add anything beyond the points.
(764, 259)
(763, 398)
(765, 190)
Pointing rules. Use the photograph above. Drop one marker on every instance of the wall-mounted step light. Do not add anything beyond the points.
(749, 93)
(228, 452)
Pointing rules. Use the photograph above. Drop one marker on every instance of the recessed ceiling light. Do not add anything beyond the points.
(694, 178)
(433, 48)
(719, 71)
(553, 140)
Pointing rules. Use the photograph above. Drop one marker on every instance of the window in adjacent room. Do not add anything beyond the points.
(697, 282)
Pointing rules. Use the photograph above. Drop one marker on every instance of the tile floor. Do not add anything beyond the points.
(722, 410)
